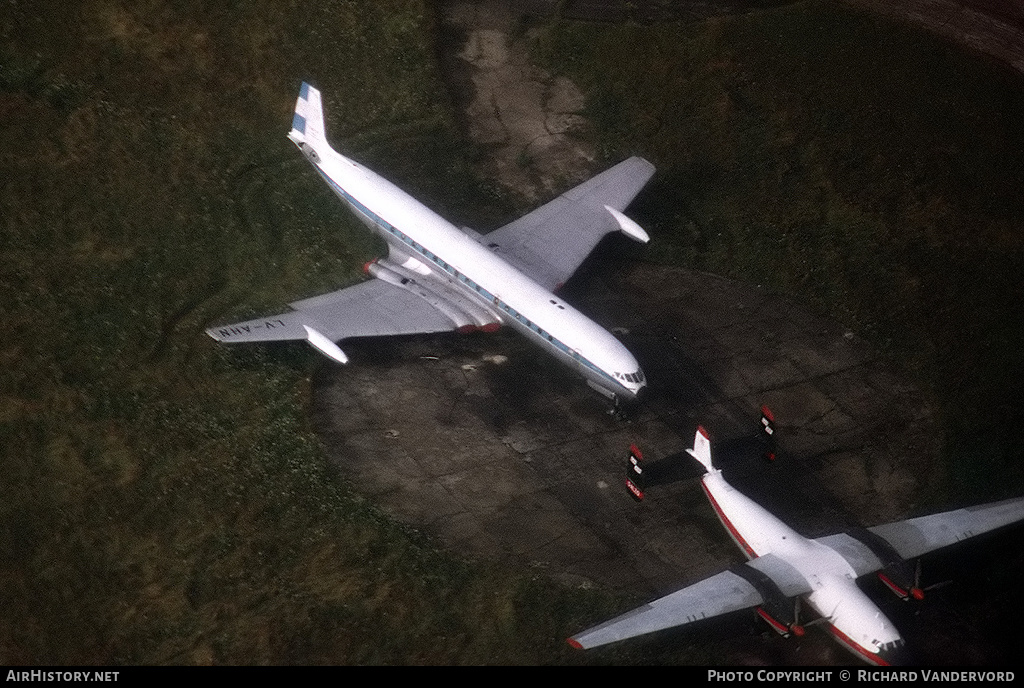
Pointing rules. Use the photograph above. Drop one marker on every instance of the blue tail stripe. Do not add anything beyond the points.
(304, 91)
(299, 123)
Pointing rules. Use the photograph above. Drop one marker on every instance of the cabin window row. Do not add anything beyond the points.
(409, 241)
(497, 302)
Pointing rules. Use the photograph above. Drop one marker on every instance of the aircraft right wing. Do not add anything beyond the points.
(720, 594)
(723, 593)
(368, 309)
(550, 243)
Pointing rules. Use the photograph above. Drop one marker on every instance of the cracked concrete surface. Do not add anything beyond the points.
(521, 115)
(502, 453)
(515, 457)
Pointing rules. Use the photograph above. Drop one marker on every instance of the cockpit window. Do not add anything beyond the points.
(637, 377)
(885, 647)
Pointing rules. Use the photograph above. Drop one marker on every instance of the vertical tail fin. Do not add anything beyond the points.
(768, 434)
(308, 122)
(635, 474)
(702, 448)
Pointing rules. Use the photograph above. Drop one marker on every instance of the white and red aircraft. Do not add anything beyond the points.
(784, 567)
(438, 278)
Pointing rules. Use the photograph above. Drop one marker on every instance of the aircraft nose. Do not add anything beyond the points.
(637, 395)
(899, 656)
(641, 391)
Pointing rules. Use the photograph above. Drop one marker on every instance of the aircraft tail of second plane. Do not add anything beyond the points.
(702, 448)
(308, 121)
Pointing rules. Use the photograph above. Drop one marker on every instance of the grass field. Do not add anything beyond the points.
(164, 500)
(866, 168)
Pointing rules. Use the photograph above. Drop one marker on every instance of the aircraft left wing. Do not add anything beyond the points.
(921, 535)
(865, 549)
(720, 594)
(373, 308)
(550, 243)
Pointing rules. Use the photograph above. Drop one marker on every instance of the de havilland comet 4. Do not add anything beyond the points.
(440, 278)
(785, 567)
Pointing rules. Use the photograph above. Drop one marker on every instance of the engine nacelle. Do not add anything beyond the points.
(464, 314)
(902, 578)
(785, 624)
(780, 612)
(899, 575)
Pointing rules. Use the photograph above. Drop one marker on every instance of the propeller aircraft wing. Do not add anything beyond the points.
(785, 568)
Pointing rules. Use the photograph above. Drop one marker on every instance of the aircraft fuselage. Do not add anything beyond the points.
(852, 618)
(432, 251)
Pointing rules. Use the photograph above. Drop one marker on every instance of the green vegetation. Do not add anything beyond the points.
(863, 166)
(163, 500)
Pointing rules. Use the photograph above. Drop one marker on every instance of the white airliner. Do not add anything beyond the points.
(786, 567)
(440, 278)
